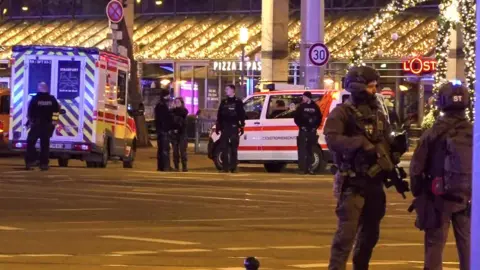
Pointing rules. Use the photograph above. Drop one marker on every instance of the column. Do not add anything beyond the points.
(275, 41)
(456, 63)
(313, 26)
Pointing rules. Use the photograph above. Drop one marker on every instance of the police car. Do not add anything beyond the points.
(270, 136)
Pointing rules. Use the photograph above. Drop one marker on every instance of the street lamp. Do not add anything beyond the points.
(243, 38)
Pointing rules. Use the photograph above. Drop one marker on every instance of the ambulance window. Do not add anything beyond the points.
(122, 87)
(5, 104)
(283, 106)
(253, 107)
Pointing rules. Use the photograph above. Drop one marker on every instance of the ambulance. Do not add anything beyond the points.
(270, 136)
(91, 86)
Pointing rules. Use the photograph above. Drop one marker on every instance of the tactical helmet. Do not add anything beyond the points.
(358, 78)
(251, 263)
(453, 97)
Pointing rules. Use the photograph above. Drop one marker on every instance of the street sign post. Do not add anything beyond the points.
(115, 11)
(318, 54)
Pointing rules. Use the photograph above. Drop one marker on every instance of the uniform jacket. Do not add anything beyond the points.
(179, 119)
(308, 116)
(163, 118)
(41, 108)
(231, 112)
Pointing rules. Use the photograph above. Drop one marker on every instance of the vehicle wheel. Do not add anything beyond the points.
(105, 155)
(274, 167)
(91, 164)
(63, 162)
(319, 164)
(217, 159)
(128, 162)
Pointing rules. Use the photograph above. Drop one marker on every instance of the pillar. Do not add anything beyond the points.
(456, 63)
(275, 53)
(475, 226)
(313, 26)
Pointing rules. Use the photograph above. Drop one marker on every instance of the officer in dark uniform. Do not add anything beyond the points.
(163, 123)
(428, 169)
(230, 122)
(351, 130)
(43, 112)
(308, 118)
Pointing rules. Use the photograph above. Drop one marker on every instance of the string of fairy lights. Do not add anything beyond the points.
(449, 18)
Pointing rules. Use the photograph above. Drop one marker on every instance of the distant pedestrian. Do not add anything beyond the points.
(179, 134)
(43, 112)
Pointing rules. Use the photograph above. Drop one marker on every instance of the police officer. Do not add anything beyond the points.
(43, 111)
(437, 201)
(351, 130)
(179, 134)
(163, 123)
(308, 119)
(230, 122)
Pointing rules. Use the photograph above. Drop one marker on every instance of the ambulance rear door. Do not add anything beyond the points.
(63, 73)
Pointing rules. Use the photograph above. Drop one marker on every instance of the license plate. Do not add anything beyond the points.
(52, 146)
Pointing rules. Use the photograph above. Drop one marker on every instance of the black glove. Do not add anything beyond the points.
(217, 130)
(242, 131)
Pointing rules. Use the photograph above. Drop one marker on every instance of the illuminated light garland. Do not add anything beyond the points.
(446, 20)
(469, 31)
(385, 15)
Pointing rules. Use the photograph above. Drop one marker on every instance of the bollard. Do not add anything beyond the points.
(251, 263)
(197, 134)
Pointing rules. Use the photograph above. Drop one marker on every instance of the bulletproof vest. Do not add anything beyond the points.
(365, 120)
(230, 110)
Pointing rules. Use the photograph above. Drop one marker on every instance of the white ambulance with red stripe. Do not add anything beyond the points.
(91, 87)
(270, 136)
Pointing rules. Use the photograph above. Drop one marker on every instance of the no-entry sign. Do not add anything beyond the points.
(115, 11)
(319, 54)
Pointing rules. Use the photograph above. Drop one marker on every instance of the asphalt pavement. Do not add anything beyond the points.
(114, 218)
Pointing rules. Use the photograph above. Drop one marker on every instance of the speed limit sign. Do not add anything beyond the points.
(319, 54)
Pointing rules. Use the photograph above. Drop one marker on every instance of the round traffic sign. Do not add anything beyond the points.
(319, 54)
(115, 11)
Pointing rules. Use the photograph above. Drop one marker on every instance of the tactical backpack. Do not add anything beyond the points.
(457, 173)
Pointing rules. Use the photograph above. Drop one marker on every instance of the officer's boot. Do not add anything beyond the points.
(184, 166)
(44, 167)
(177, 167)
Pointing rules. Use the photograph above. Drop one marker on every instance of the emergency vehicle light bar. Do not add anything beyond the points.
(282, 86)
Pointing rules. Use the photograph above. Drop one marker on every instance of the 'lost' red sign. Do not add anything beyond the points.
(419, 66)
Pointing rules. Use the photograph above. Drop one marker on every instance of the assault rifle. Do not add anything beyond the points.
(388, 163)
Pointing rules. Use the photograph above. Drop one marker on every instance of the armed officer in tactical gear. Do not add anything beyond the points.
(441, 178)
(308, 119)
(163, 123)
(43, 113)
(230, 122)
(351, 131)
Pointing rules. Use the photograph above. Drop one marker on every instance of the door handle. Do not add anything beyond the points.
(256, 123)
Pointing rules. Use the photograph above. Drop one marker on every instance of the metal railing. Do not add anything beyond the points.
(203, 127)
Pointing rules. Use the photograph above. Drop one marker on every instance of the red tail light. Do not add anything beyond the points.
(1, 127)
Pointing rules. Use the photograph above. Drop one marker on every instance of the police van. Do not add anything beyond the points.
(91, 87)
(270, 136)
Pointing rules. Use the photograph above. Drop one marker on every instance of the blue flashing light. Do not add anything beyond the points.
(456, 82)
(475, 222)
